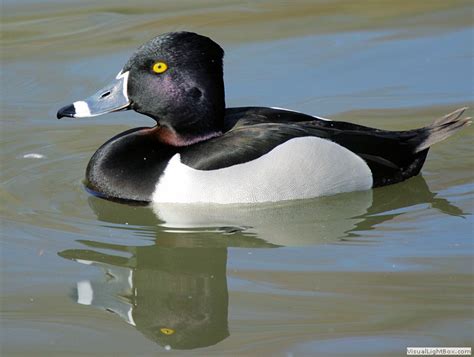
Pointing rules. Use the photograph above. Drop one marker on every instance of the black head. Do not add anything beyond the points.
(175, 78)
(188, 96)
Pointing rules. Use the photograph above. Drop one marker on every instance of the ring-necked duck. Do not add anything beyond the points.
(201, 151)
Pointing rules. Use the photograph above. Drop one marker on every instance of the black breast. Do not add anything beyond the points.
(128, 166)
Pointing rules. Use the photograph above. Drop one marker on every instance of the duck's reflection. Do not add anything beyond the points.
(175, 291)
(176, 297)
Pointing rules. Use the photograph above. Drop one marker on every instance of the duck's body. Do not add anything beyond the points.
(201, 152)
(264, 155)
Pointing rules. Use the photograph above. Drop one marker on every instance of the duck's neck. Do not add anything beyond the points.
(170, 137)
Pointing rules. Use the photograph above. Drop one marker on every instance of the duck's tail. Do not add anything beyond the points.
(442, 128)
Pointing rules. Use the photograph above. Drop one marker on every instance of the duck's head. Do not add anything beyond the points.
(176, 79)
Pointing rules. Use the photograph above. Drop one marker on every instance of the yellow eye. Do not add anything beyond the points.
(160, 67)
(167, 331)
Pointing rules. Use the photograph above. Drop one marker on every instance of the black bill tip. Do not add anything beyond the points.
(67, 111)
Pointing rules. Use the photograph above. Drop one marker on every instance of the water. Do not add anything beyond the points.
(358, 274)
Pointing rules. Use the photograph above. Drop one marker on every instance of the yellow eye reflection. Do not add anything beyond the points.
(160, 67)
(166, 331)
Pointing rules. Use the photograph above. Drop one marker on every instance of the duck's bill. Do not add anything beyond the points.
(111, 98)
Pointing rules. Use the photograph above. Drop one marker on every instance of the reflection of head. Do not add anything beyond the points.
(181, 300)
(176, 297)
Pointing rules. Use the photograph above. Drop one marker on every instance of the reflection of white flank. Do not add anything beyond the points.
(85, 294)
(81, 109)
(283, 223)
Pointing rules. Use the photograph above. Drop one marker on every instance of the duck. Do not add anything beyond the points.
(200, 151)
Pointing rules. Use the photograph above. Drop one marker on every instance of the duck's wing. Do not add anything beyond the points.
(392, 156)
(385, 153)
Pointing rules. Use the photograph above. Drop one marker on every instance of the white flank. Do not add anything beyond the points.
(85, 294)
(295, 111)
(300, 168)
(82, 109)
